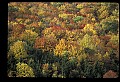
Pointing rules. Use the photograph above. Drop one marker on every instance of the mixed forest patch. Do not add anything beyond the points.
(63, 39)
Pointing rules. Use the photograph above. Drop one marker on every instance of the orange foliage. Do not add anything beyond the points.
(21, 26)
(106, 37)
(57, 28)
(34, 24)
(110, 74)
(82, 26)
(80, 14)
(39, 42)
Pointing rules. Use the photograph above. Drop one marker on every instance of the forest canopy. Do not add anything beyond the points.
(63, 39)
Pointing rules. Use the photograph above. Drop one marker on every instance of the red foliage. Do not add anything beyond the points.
(35, 24)
(80, 14)
(71, 21)
(107, 49)
(57, 28)
(106, 37)
(26, 15)
(82, 26)
(110, 74)
(75, 44)
(39, 42)
(84, 15)
(33, 17)
(21, 25)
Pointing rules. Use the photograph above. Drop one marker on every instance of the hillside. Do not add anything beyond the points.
(63, 39)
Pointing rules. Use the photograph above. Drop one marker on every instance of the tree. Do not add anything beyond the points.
(113, 45)
(89, 29)
(45, 70)
(39, 42)
(110, 26)
(29, 36)
(60, 48)
(62, 39)
(78, 18)
(19, 49)
(87, 42)
(46, 43)
(98, 70)
(110, 74)
(73, 48)
(23, 70)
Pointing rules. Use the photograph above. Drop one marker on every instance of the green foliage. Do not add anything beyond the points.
(11, 64)
(98, 69)
(89, 51)
(12, 9)
(91, 70)
(74, 74)
(78, 18)
(111, 26)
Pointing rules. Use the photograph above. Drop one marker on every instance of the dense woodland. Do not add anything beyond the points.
(63, 39)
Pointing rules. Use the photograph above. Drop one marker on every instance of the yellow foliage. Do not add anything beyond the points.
(94, 32)
(73, 49)
(19, 19)
(62, 7)
(60, 48)
(30, 32)
(79, 6)
(82, 56)
(27, 20)
(99, 57)
(29, 36)
(18, 50)
(89, 28)
(106, 55)
(47, 31)
(41, 12)
(23, 70)
(115, 39)
(104, 14)
(87, 42)
(55, 66)
(13, 23)
(63, 15)
(96, 40)
(45, 66)
(40, 23)
(45, 69)
(93, 19)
